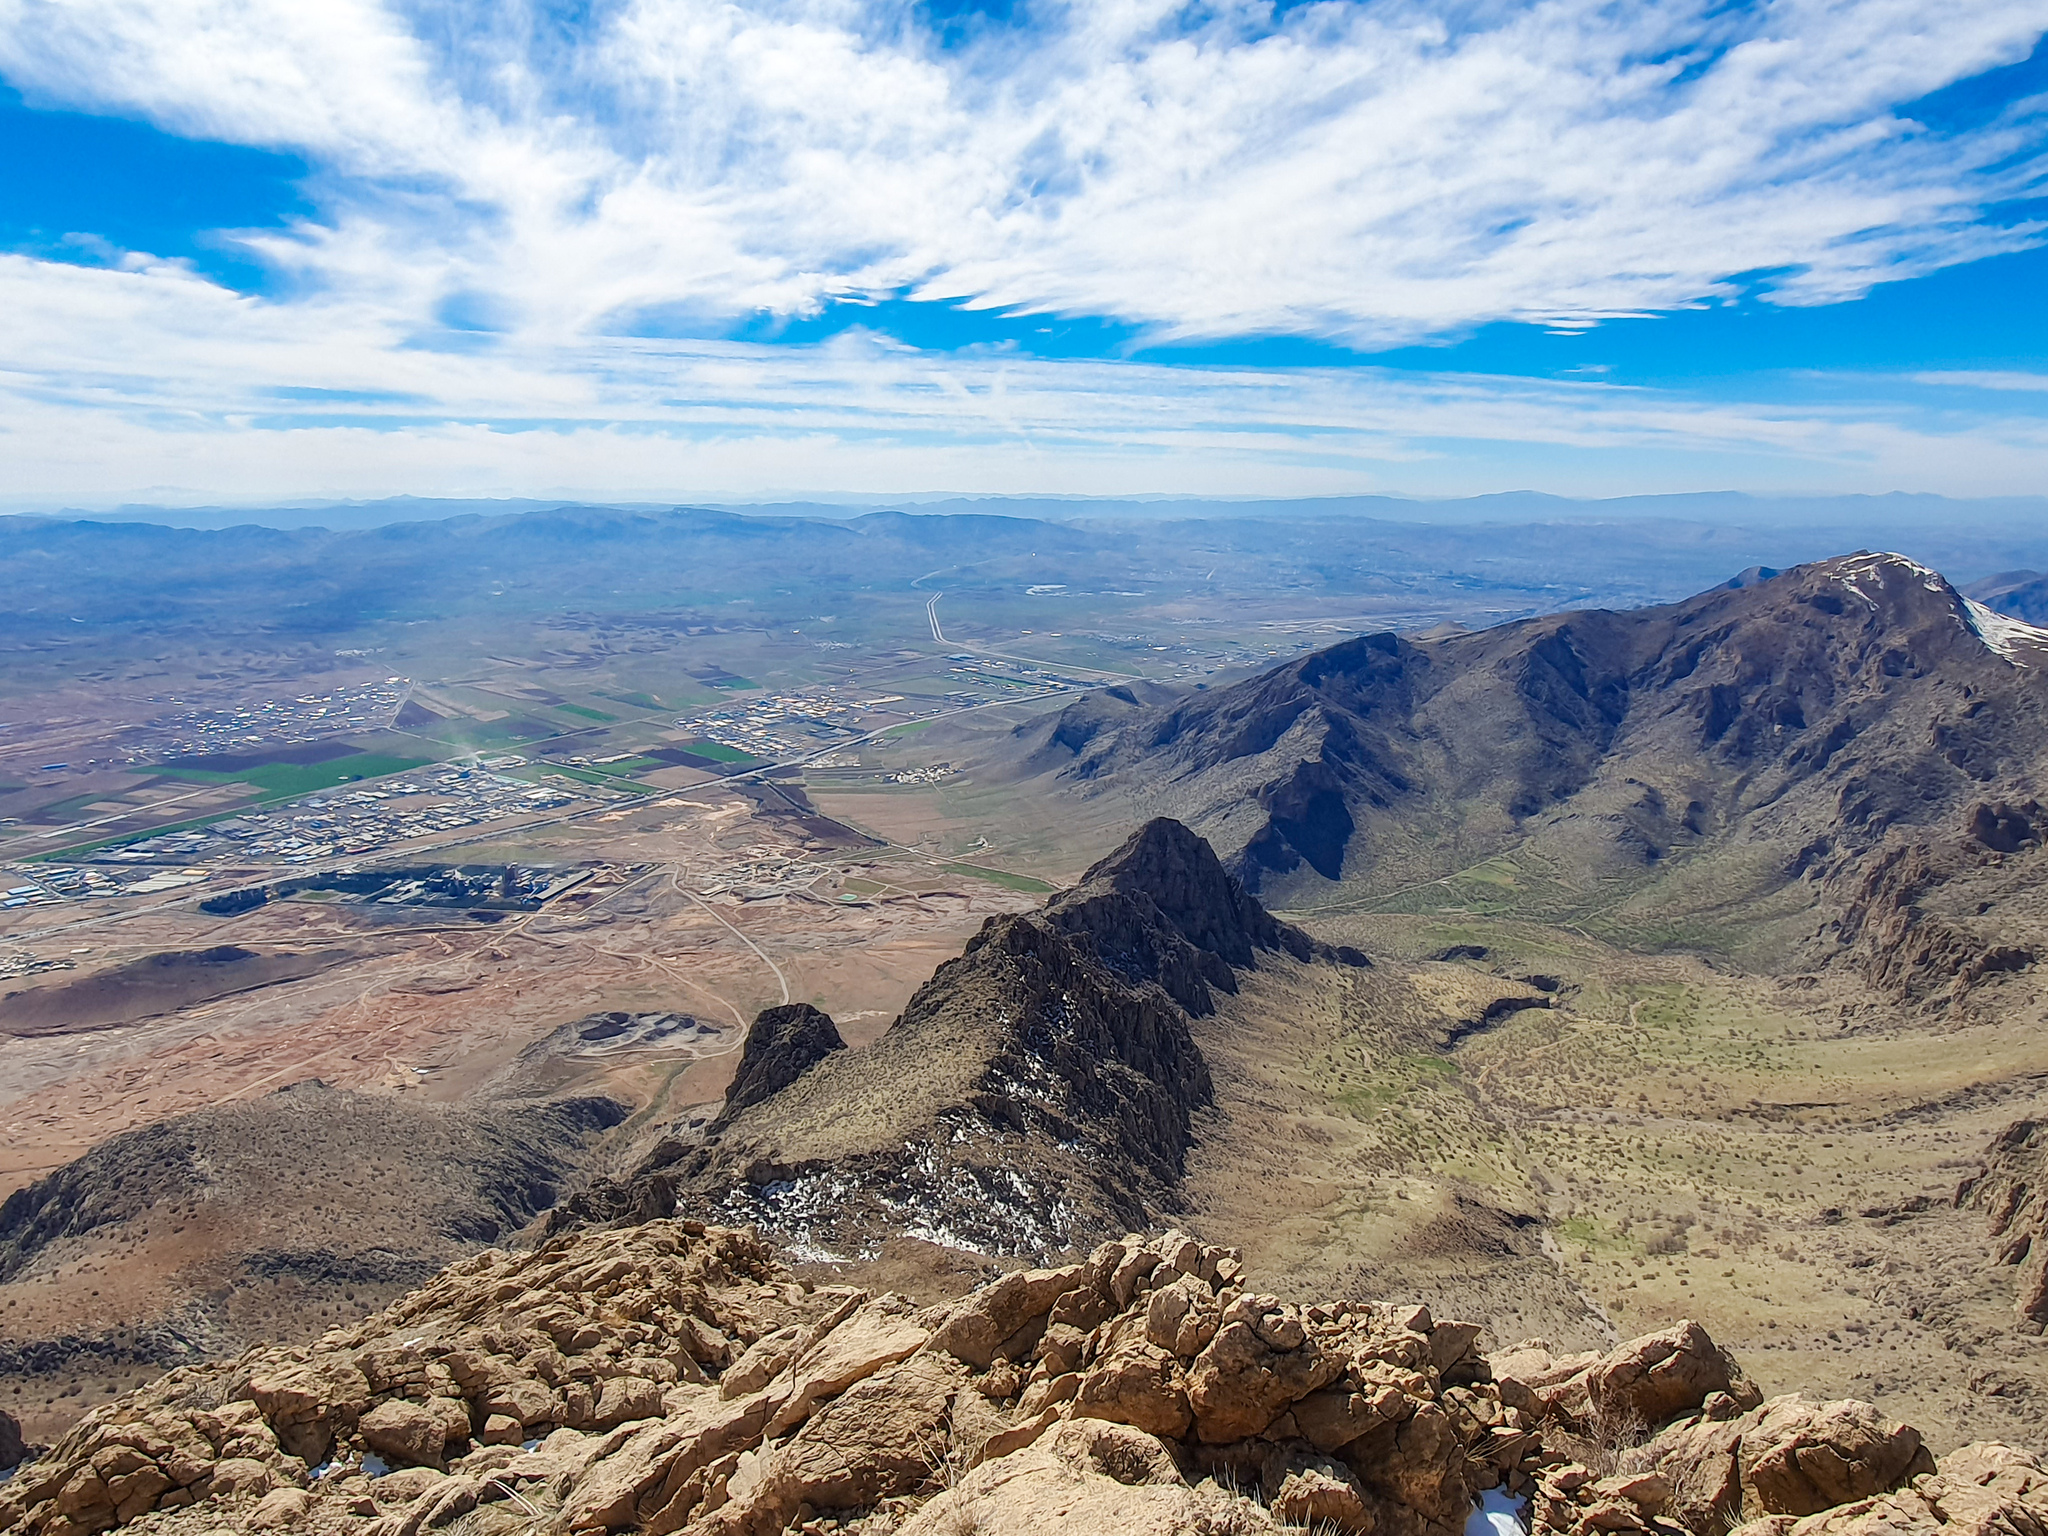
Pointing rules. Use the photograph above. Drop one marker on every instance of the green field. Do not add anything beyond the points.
(565, 770)
(587, 714)
(637, 700)
(718, 752)
(1004, 878)
(286, 779)
(626, 769)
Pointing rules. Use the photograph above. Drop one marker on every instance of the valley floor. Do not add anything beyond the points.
(1775, 1157)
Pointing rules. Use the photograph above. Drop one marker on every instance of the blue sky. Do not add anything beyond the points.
(677, 248)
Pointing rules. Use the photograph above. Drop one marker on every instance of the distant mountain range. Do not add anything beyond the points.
(1737, 758)
(1538, 556)
(1895, 510)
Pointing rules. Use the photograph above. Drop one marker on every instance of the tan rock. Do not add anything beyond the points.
(1240, 1383)
(879, 1333)
(237, 1475)
(502, 1429)
(978, 1324)
(308, 1404)
(405, 1434)
(1984, 1489)
(1453, 1350)
(879, 1438)
(762, 1361)
(1995, 1468)
(655, 1475)
(1317, 1492)
(1139, 1384)
(397, 1490)
(1183, 1317)
(625, 1398)
(1424, 1469)
(522, 1398)
(280, 1508)
(1649, 1381)
(1788, 1457)
(1087, 1478)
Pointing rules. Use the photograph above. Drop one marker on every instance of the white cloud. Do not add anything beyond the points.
(1368, 172)
(114, 383)
(1371, 173)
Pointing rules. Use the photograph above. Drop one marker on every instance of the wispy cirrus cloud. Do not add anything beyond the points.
(517, 208)
(1368, 172)
(220, 405)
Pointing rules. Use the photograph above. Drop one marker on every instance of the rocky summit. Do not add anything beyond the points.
(676, 1378)
(1035, 1093)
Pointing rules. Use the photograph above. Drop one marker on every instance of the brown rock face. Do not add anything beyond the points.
(1645, 1382)
(782, 1045)
(405, 1434)
(2012, 1191)
(12, 1447)
(1787, 1458)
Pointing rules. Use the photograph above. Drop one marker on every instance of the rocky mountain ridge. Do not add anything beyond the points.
(2012, 1190)
(1035, 1093)
(674, 1378)
(1738, 757)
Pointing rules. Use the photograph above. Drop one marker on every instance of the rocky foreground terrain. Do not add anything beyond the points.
(672, 1377)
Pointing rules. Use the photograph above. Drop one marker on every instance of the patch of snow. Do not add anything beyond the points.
(2002, 635)
(1885, 559)
(1850, 571)
(1497, 1514)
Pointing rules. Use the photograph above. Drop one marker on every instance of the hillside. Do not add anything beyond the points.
(267, 1220)
(1713, 770)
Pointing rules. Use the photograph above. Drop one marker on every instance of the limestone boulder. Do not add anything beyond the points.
(762, 1361)
(1317, 1492)
(978, 1326)
(1789, 1456)
(405, 1434)
(1086, 1478)
(309, 1403)
(625, 1398)
(1260, 1362)
(1646, 1383)
(1138, 1384)
(875, 1334)
(884, 1436)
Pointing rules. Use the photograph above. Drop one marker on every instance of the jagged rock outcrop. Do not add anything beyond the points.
(1034, 1095)
(13, 1449)
(1907, 952)
(1644, 1382)
(2012, 1191)
(1784, 1461)
(782, 1045)
(674, 1378)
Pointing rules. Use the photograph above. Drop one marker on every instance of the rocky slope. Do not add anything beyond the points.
(265, 1219)
(673, 1378)
(2017, 594)
(1035, 1093)
(1736, 757)
(2012, 1191)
